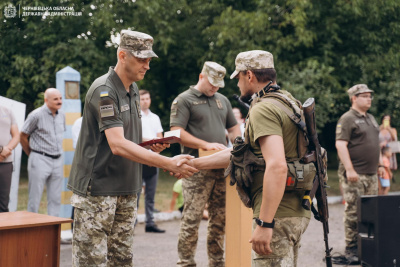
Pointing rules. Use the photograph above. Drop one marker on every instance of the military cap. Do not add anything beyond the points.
(253, 60)
(215, 73)
(358, 89)
(140, 44)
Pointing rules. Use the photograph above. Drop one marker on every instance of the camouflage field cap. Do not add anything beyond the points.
(139, 43)
(215, 73)
(358, 89)
(253, 60)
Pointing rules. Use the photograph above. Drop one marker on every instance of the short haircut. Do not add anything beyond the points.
(144, 92)
(264, 75)
(129, 53)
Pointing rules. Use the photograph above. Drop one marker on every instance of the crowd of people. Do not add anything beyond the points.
(109, 168)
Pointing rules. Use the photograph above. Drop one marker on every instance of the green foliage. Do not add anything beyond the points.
(320, 48)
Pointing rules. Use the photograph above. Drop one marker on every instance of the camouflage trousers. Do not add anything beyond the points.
(366, 185)
(285, 243)
(203, 187)
(103, 230)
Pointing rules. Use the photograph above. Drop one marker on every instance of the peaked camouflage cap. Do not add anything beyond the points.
(140, 44)
(253, 60)
(358, 89)
(215, 73)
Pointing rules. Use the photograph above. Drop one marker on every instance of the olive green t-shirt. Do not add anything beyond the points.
(267, 119)
(107, 105)
(362, 134)
(203, 117)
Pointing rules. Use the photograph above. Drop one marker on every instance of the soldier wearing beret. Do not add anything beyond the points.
(357, 143)
(106, 172)
(278, 217)
(203, 115)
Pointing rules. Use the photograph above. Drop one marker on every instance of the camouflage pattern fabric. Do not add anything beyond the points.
(139, 43)
(359, 89)
(285, 243)
(253, 60)
(103, 230)
(203, 187)
(215, 73)
(366, 185)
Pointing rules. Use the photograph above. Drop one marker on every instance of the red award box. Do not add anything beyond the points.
(166, 140)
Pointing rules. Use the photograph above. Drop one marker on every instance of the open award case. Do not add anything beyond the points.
(170, 137)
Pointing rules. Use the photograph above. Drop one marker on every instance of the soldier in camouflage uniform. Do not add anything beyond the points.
(202, 115)
(106, 171)
(357, 143)
(279, 219)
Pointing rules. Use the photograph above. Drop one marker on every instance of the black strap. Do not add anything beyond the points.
(47, 155)
(265, 224)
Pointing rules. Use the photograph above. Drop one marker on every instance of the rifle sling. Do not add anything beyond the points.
(292, 115)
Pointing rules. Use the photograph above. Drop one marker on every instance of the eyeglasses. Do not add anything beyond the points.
(366, 96)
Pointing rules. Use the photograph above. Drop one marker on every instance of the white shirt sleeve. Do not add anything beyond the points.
(76, 129)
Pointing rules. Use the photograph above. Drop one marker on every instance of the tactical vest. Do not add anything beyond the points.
(301, 170)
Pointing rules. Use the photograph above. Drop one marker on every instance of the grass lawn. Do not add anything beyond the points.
(164, 190)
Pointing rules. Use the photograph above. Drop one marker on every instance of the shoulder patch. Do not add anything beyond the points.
(106, 111)
(338, 128)
(103, 94)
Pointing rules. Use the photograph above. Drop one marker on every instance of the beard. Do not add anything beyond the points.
(246, 98)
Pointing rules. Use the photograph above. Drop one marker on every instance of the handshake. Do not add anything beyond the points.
(182, 166)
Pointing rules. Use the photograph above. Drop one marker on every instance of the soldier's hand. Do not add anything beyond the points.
(261, 240)
(352, 176)
(159, 147)
(214, 146)
(184, 170)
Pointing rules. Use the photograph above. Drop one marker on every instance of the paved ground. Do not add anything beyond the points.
(154, 250)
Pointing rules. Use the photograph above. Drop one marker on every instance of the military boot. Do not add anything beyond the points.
(351, 255)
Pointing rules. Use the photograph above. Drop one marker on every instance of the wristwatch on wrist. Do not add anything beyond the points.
(265, 224)
(1, 149)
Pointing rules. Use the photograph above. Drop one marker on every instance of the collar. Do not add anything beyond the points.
(46, 108)
(358, 114)
(120, 88)
(144, 114)
(196, 92)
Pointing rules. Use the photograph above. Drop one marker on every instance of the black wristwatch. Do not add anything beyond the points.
(265, 224)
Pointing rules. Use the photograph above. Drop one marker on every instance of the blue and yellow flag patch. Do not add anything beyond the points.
(103, 94)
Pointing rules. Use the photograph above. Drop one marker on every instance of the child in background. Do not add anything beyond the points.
(177, 197)
(385, 180)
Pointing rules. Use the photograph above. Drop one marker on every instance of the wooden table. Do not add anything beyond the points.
(238, 226)
(30, 239)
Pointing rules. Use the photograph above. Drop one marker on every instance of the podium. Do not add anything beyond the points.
(30, 239)
(237, 227)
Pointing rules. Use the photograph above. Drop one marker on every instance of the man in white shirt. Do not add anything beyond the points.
(151, 129)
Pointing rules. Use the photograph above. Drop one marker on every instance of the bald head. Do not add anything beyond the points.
(53, 99)
(50, 92)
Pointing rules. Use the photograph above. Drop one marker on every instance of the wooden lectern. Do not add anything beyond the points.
(30, 239)
(237, 228)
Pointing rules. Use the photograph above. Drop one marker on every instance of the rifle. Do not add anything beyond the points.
(319, 185)
(241, 102)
